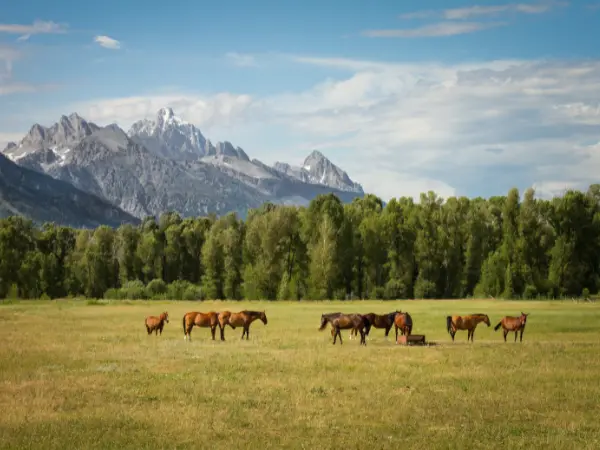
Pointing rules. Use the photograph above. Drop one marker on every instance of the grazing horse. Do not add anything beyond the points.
(516, 324)
(199, 319)
(403, 321)
(340, 321)
(156, 324)
(241, 319)
(224, 320)
(378, 321)
(469, 323)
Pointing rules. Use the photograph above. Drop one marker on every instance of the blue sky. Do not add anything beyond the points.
(461, 97)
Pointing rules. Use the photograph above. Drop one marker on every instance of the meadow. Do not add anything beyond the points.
(78, 374)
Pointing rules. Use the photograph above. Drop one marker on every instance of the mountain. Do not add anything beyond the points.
(169, 136)
(59, 138)
(166, 164)
(317, 169)
(44, 199)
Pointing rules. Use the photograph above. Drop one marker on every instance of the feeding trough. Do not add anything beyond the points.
(413, 339)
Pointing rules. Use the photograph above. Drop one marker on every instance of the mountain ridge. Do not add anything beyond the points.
(167, 164)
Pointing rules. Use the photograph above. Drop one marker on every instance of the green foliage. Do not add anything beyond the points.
(509, 247)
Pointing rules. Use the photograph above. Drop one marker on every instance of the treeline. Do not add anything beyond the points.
(500, 247)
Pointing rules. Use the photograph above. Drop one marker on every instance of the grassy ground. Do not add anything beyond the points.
(74, 375)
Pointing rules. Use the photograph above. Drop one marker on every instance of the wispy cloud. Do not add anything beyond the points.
(37, 27)
(435, 30)
(593, 6)
(490, 10)
(241, 60)
(107, 42)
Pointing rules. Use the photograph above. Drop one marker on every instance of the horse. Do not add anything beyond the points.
(516, 324)
(403, 321)
(224, 320)
(156, 324)
(378, 321)
(241, 319)
(469, 323)
(340, 321)
(199, 319)
(329, 316)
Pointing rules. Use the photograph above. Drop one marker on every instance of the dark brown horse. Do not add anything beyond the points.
(199, 319)
(385, 321)
(469, 323)
(516, 324)
(340, 321)
(156, 324)
(241, 319)
(403, 321)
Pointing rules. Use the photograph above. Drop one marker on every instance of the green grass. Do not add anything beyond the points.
(78, 374)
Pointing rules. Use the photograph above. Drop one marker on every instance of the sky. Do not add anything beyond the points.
(456, 96)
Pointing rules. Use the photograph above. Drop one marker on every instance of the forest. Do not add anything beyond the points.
(513, 246)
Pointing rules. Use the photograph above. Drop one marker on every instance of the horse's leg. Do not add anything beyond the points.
(222, 332)
(505, 333)
(213, 329)
(516, 333)
(248, 332)
(396, 326)
(334, 332)
(148, 330)
(363, 340)
(521, 339)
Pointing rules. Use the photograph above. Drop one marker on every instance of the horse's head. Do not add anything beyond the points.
(263, 317)
(523, 317)
(324, 321)
(486, 320)
(165, 316)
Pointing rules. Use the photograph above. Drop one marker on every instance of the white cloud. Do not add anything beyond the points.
(401, 129)
(107, 42)
(37, 27)
(241, 60)
(489, 10)
(435, 30)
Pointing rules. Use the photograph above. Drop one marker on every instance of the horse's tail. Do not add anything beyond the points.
(498, 326)
(449, 323)
(184, 323)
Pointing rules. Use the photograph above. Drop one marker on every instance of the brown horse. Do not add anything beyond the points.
(516, 324)
(341, 321)
(241, 319)
(403, 321)
(199, 319)
(378, 321)
(156, 324)
(469, 323)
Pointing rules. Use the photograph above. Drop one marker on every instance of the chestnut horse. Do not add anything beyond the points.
(469, 323)
(516, 324)
(199, 319)
(156, 324)
(403, 321)
(241, 319)
(341, 321)
(378, 321)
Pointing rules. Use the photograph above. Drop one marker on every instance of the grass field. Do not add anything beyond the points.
(75, 375)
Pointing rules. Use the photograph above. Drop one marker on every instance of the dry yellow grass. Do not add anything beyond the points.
(74, 375)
